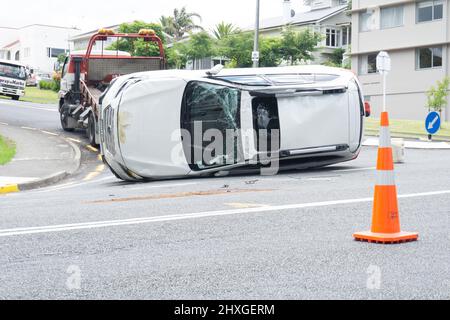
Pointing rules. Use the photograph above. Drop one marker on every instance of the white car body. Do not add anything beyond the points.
(318, 110)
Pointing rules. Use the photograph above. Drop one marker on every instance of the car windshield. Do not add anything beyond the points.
(278, 79)
(12, 71)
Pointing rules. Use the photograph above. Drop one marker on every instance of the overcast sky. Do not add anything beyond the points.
(93, 14)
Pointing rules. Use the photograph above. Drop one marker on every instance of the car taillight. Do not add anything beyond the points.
(367, 109)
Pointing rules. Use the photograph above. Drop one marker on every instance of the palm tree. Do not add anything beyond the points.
(180, 23)
(223, 30)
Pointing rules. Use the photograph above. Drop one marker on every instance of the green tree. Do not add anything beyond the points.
(238, 48)
(138, 47)
(223, 30)
(270, 51)
(298, 45)
(180, 23)
(200, 45)
(437, 96)
(336, 58)
(175, 59)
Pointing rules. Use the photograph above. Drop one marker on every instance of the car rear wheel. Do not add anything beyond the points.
(16, 98)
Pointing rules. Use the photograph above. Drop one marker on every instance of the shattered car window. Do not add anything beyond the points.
(211, 107)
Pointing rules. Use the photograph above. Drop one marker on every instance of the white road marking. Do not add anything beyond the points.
(28, 128)
(29, 107)
(356, 169)
(189, 216)
(73, 185)
(74, 140)
(49, 133)
(4, 123)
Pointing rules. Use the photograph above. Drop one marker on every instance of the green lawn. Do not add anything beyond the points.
(7, 150)
(33, 94)
(408, 128)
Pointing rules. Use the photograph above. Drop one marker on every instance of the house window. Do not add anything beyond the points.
(429, 58)
(368, 64)
(27, 53)
(332, 38)
(391, 17)
(429, 10)
(55, 52)
(17, 56)
(367, 21)
(346, 35)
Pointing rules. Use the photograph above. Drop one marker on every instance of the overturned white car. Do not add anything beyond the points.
(176, 123)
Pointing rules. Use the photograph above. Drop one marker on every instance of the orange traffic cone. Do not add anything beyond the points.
(386, 220)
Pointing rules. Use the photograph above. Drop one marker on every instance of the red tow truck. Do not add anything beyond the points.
(87, 74)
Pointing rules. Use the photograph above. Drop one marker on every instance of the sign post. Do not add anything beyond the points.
(383, 67)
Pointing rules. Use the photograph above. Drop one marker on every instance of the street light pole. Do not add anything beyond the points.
(256, 43)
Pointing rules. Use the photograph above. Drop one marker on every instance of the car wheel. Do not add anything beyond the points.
(16, 98)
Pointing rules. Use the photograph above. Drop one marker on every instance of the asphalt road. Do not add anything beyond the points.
(240, 237)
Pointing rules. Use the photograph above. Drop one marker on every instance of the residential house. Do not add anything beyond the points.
(327, 17)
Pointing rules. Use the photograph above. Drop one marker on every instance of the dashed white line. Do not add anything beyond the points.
(190, 216)
(49, 133)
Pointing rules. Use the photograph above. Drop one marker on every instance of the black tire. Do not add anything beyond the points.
(15, 98)
(63, 116)
(91, 131)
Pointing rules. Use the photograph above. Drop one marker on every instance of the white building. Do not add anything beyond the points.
(416, 34)
(36, 46)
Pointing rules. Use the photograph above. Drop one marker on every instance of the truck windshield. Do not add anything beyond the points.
(12, 71)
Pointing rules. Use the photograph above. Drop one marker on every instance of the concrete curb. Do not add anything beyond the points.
(373, 141)
(46, 181)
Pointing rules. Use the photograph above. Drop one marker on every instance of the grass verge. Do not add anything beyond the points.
(7, 150)
(408, 129)
(35, 95)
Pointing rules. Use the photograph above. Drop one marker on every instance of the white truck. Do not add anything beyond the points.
(13, 78)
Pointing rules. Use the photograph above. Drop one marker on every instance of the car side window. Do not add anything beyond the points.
(210, 108)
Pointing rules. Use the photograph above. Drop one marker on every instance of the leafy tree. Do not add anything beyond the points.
(437, 96)
(180, 23)
(200, 45)
(175, 59)
(138, 47)
(223, 30)
(336, 58)
(270, 51)
(238, 48)
(298, 45)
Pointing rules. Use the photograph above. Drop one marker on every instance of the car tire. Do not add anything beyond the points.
(15, 98)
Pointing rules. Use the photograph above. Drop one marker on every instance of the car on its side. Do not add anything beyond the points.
(180, 123)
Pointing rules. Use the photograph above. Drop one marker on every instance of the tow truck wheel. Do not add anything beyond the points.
(91, 131)
(64, 121)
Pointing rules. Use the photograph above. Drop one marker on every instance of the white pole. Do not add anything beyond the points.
(384, 90)
(256, 42)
